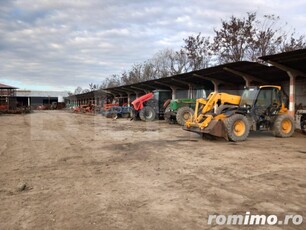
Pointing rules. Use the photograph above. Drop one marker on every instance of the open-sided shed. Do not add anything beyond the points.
(283, 69)
(231, 76)
(293, 64)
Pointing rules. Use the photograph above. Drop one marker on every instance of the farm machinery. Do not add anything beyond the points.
(301, 119)
(232, 117)
(118, 107)
(180, 110)
(151, 105)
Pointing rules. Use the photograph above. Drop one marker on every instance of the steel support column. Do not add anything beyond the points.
(173, 92)
(129, 99)
(292, 94)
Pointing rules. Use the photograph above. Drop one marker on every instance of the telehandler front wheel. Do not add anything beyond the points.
(283, 126)
(237, 127)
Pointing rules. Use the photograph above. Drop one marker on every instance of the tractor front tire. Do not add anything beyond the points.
(147, 113)
(237, 127)
(283, 126)
(183, 114)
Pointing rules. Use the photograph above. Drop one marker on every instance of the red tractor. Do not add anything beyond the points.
(151, 105)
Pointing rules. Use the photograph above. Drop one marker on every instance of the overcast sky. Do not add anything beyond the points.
(59, 45)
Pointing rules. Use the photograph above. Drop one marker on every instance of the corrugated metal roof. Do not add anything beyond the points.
(226, 74)
(3, 86)
(35, 93)
(295, 60)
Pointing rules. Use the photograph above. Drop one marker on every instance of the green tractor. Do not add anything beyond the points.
(180, 110)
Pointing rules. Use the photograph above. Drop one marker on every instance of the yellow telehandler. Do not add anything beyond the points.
(232, 117)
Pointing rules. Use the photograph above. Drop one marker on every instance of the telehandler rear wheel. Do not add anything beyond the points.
(147, 113)
(283, 126)
(237, 127)
(183, 114)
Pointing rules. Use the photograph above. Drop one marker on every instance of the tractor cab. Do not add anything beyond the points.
(160, 97)
(150, 106)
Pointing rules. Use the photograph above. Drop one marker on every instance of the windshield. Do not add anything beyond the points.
(248, 97)
(156, 95)
(200, 93)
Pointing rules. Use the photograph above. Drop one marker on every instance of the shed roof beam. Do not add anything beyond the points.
(211, 79)
(247, 77)
(215, 82)
(163, 84)
(288, 69)
(100, 93)
(149, 86)
(120, 91)
(131, 91)
(107, 91)
(180, 81)
(115, 91)
(144, 90)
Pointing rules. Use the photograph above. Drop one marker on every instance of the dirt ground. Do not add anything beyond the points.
(60, 170)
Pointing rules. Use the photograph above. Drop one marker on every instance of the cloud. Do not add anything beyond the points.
(64, 44)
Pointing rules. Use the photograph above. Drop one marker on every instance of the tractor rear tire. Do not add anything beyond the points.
(237, 127)
(283, 126)
(183, 114)
(147, 113)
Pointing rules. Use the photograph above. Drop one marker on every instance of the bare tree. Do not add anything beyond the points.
(161, 61)
(198, 51)
(93, 87)
(112, 81)
(266, 38)
(249, 38)
(174, 62)
(178, 62)
(78, 90)
(85, 91)
(233, 40)
(291, 43)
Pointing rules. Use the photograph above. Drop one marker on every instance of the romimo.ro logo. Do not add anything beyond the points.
(254, 219)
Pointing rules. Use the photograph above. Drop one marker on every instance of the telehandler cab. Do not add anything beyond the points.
(259, 108)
